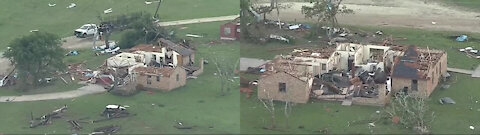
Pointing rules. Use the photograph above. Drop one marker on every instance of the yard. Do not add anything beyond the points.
(198, 103)
(20, 16)
(322, 116)
(316, 116)
(466, 4)
(423, 38)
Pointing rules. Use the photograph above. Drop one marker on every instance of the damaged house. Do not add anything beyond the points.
(353, 73)
(285, 81)
(164, 65)
(166, 78)
(418, 71)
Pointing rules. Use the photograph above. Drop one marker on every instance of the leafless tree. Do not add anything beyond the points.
(226, 73)
(269, 105)
(287, 110)
(412, 111)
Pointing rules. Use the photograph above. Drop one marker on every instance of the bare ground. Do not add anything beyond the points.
(399, 13)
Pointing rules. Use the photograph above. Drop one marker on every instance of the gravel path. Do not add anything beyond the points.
(85, 90)
(199, 20)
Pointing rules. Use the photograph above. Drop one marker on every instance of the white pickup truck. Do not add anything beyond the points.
(86, 30)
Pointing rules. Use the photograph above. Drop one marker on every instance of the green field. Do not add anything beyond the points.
(464, 4)
(18, 17)
(422, 38)
(449, 119)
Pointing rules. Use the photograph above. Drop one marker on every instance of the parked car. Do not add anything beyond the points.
(85, 30)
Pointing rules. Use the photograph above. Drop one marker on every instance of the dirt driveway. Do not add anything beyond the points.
(403, 13)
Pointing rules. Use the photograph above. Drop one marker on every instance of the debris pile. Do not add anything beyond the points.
(471, 52)
(113, 112)
(48, 118)
(110, 129)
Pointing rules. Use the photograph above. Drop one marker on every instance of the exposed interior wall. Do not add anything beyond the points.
(125, 59)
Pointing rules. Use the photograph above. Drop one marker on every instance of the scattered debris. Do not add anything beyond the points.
(52, 5)
(47, 119)
(110, 129)
(148, 2)
(462, 38)
(180, 125)
(277, 37)
(72, 5)
(33, 30)
(472, 127)
(445, 86)
(471, 52)
(433, 23)
(75, 125)
(114, 111)
(371, 124)
(72, 53)
(193, 35)
(446, 100)
(107, 11)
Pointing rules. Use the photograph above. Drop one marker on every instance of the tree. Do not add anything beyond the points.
(269, 105)
(226, 74)
(244, 18)
(325, 11)
(411, 111)
(142, 28)
(36, 56)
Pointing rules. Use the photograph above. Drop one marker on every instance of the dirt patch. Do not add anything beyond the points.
(79, 43)
(6, 65)
(402, 13)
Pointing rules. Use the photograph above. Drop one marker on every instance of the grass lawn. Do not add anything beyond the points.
(198, 103)
(466, 4)
(449, 119)
(18, 17)
(88, 56)
(421, 38)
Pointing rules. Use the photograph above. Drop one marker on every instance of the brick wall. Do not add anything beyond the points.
(297, 90)
(165, 83)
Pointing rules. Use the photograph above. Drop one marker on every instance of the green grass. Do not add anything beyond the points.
(88, 56)
(465, 4)
(198, 103)
(313, 116)
(422, 38)
(18, 17)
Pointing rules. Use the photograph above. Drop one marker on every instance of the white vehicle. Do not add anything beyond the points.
(86, 30)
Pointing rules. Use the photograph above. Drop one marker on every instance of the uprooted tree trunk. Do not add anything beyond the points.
(412, 112)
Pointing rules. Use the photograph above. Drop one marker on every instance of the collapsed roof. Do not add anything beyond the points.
(146, 48)
(322, 53)
(176, 47)
(165, 71)
(415, 63)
